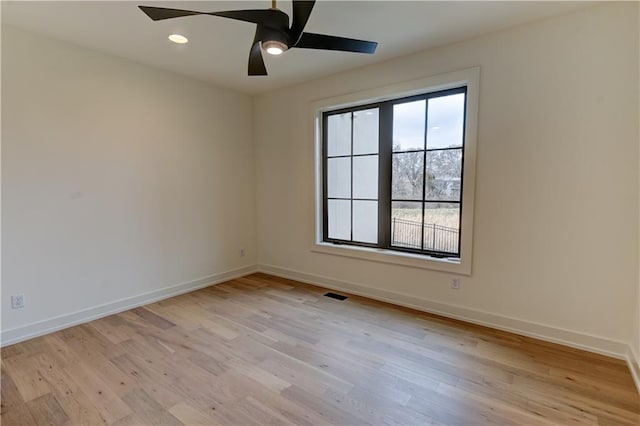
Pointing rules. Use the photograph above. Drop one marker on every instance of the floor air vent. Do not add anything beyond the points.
(336, 296)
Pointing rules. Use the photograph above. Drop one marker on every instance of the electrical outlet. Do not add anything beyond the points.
(241, 252)
(17, 301)
(455, 283)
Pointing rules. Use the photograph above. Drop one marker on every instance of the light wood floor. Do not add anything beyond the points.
(263, 350)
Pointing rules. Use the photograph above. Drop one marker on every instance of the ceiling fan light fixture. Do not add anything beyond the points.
(274, 47)
(178, 38)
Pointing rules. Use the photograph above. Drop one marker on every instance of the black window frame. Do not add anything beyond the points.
(385, 153)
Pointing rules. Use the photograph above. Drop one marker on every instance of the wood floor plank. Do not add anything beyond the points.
(260, 413)
(9, 351)
(152, 318)
(24, 373)
(191, 416)
(10, 394)
(113, 332)
(148, 410)
(95, 359)
(79, 409)
(18, 415)
(162, 389)
(46, 410)
(331, 411)
(266, 350)
(106, 402)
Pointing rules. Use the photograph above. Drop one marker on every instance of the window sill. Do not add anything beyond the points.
(394, 258)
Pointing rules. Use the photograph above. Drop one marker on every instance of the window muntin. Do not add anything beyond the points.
(401, 174)
(351, 181)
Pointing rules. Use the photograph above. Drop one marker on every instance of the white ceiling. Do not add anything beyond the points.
(219, 48)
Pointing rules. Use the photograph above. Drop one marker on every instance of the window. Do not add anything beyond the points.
(395, 173)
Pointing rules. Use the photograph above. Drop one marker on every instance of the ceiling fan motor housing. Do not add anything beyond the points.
(268, 34)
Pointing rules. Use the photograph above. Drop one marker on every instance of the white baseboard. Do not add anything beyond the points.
(50, 325)
(634, 366)
(574, 339)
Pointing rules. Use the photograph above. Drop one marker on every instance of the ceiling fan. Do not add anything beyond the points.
(273, 33)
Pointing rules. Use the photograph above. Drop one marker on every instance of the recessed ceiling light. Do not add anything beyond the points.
(178, 38)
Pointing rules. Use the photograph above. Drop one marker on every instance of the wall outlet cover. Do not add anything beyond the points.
(17, 301)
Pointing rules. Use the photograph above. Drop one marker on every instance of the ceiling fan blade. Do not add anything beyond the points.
(275, 19)
(328, 42)
(270, 18)
(301, 12)
(256, 63)
(160, 13)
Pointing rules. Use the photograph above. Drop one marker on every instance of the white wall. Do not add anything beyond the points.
(117, 179)
(556, 214)
(635, 335)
